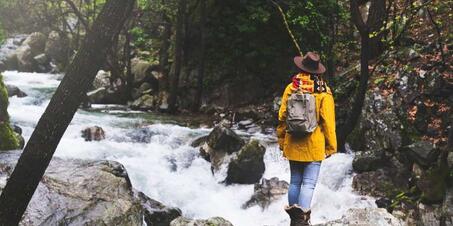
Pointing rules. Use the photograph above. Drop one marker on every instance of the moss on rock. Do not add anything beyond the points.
(8, 138)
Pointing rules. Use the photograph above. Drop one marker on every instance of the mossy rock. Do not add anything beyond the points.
(8, 138)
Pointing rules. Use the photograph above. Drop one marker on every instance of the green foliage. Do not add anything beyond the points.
(8, 139)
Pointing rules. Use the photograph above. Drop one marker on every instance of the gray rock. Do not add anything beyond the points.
(145, 102)
(25, 59)
(199, 141)
(215, 221)
(140, 70)
(78, 192)
(37, 43)
(57, 48)
(225, 140)
(102, 79)
(429, 215)
(423, 153)
(163, 100)
(156, 213)
(145, 88)
(369, 161)
(97, 96)
(447, 207)
(365, 217)
(15, 91)
(248, 166)
(105, 96)
(94, 133)
(41, 59)
(266, 192)
(379, 183)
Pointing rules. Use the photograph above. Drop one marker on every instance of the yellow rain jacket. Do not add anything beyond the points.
(321, 142)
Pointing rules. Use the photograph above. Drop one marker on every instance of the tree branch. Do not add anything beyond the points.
(78, 14)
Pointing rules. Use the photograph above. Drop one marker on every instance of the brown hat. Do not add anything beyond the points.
(310, 63)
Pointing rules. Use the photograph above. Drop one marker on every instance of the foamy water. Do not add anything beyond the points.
(162, 164)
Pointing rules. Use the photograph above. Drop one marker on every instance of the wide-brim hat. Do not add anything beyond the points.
(310, 63)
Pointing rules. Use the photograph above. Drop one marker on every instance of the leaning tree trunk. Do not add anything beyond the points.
(60, 111)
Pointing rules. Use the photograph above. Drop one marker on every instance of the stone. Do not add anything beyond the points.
(156, 213)
(447, 207)
(37, 43)
(25, 59)
(432, 184)
(163, 100)
(94, 133)
(247, 167)
(57, 48)
(15, 91)
(145, 102)
(423, 153)
(41, 59)
(224, 139)
(79, 192)
(105, 95)
(369, 161)
(214, 221)
(365, 217)
(379, 183)
(145, 88)
(266, 192)
(199, 141)
(102, 80)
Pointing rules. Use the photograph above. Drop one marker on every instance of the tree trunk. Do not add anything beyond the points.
(359, 99)
(60, 111)
(163, 53)
(201, 64)
(178, 55)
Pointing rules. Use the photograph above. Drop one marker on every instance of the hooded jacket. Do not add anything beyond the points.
(321, 142)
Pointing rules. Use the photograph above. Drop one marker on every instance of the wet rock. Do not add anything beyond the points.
(215, 221)
(25, 59)
(94, 133)
(105, 95)
(423, 153)
(78, 192)
(380, 183)
(9, 140)
(156, 213)
(225, 140)
(163, 100)
(432, 184)
(57, 48)
(102, 79)
(37, 43)
(248, 166)
(362, 217)
(41, 59)
(266, 192)
(199, 141)
(146, 102)
(429, 215)
(145, 88)
(15, 91)
(369, 161)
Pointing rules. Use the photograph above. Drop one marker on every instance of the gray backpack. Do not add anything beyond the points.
(301, 113)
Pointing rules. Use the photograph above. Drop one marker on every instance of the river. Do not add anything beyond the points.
(156, 152)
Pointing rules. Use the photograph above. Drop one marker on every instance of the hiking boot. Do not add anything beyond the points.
(298, 216)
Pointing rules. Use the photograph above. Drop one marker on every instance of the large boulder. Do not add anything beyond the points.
(156, 213)
(105, 95)
(57, 48)
(37, 43)
(221, 142)
(386, 182)
(423, 153)
(25, 59)
(145, 102)
(78, 192)
(447, 207)
(363, 217)
(266, 192)
(369, 161)
(214, 221)
(433, 185)
(102, 79)
(144, 88)
(248, 166)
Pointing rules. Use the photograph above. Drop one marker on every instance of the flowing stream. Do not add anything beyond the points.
(157, 154)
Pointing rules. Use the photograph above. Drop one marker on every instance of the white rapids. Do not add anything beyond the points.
(162, 164)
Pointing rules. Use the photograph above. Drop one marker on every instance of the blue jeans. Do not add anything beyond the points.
(304, 176)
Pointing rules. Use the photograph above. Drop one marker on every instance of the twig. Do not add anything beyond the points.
(287, 26)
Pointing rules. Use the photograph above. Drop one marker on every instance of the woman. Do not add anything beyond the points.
(305, 153)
